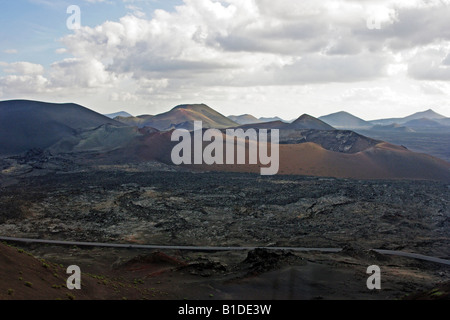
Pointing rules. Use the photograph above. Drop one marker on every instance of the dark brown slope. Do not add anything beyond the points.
(23, 277)
(26, 124)
(383, 161)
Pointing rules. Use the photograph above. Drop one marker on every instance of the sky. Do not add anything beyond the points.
(374, 59)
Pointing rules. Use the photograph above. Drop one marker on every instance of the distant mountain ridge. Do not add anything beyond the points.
(344, 119)
(250, 119)
(423, 122)
(265, 119)
(308, 145)
(308, 122)
(303, 122)
(428, 114)
(244, 119)
(138, 121)
(123, 114)
(392, 127)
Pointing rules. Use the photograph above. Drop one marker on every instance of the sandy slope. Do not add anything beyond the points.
(384, 161)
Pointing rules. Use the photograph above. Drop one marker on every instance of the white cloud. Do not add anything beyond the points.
(430, 63)
(210, 48)
(10, 51)
(23, 68)
(13, 84)
(81, 73)
(123, 97)
(236, 39)
(61, 50)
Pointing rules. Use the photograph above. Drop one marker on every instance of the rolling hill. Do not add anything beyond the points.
(118, 114)
(272, 119)
(303, 122)
(138, 121)
(338, 154)
(428, 114)
(183, 117)
(309, 122)
(101, 139)
(308, 146)
(423, 123)
(26, 277)
(382, 161)
(345, 120)
(244, 119)
(392, 128)
(27, 124)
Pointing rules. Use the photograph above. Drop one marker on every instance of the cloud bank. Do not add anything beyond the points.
(222, 50)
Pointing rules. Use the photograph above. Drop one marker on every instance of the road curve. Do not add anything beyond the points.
(200, 248)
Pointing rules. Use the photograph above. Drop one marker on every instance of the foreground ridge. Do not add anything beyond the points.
(202, 248)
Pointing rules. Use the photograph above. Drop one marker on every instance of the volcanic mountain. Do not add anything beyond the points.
(309, 122)
(244, 119)
(308, 146)
(323, 153)
(272, 119)
(26, 124)
(382, 161)
(395, 127)
(183, 117)
(249, 119)
(303, 122)
(118, 114)
(101, 139)
(423, 122)
(345, 120)
(139, 121)
(429, 114)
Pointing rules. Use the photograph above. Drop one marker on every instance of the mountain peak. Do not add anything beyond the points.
(244, 119)
(306, 121)
(122, 114)
(344, 119)
(191, 106)
(430, 114)
(183, 117)
(305, 117)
